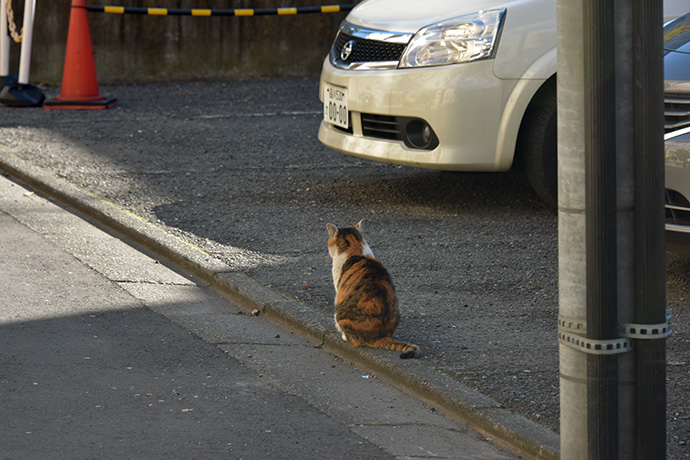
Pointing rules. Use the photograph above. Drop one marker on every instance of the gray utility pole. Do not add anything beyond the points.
(612, 313)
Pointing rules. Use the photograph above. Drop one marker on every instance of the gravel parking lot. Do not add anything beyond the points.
(235, 168)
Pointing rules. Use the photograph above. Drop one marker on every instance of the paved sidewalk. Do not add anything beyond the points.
(107, 353)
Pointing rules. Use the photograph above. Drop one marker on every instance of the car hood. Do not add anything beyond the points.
(677, 51)
(410, 16)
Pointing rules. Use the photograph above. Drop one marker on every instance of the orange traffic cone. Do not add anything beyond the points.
(79, 85)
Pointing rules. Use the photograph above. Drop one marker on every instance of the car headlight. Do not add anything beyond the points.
(462, 39)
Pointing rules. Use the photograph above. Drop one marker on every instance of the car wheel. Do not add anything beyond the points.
(538, 146)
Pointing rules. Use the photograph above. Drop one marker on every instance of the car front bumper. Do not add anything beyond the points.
(463, 104)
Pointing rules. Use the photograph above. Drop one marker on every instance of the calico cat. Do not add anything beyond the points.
(366, 307)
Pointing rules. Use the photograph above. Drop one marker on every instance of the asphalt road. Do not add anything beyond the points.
(236, 169)
(106, 353)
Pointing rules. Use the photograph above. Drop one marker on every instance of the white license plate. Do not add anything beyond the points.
(335, 105)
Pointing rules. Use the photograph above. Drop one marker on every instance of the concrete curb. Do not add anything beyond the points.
(512, 430)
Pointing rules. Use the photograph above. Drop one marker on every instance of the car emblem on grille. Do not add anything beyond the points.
(347, 49)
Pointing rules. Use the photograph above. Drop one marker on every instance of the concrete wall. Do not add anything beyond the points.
(141, 48)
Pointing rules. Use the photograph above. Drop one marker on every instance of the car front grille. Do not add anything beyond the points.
(677, 208)
(365, 50)
(415, 133)
(381, 127)
(676, 111)
(378, 127)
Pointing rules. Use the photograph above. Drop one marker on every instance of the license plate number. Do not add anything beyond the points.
(335, 105)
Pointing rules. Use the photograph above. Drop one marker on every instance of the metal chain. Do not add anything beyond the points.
(17, 37)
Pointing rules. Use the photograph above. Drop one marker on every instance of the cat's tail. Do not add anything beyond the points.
(406, 350)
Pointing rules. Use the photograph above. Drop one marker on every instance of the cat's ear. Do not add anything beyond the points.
(332, 230)
(358, 226)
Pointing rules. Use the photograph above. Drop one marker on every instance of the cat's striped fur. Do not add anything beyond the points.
(366, 307)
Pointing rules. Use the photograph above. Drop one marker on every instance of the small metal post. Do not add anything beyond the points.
(5, 77)
(23, 93)
(4, 41)
(27, 37)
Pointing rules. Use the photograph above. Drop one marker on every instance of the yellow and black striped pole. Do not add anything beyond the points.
(221, 12)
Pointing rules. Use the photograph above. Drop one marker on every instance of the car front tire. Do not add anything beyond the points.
(538, 146)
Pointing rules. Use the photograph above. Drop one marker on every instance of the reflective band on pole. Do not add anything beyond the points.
(206, 12)
(112, 9)
(201, 12)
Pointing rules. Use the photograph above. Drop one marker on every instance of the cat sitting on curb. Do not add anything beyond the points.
(366, 307)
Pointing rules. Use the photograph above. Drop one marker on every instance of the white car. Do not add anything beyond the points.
(446, 84)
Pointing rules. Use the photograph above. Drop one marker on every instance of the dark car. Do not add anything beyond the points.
(677, 133)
